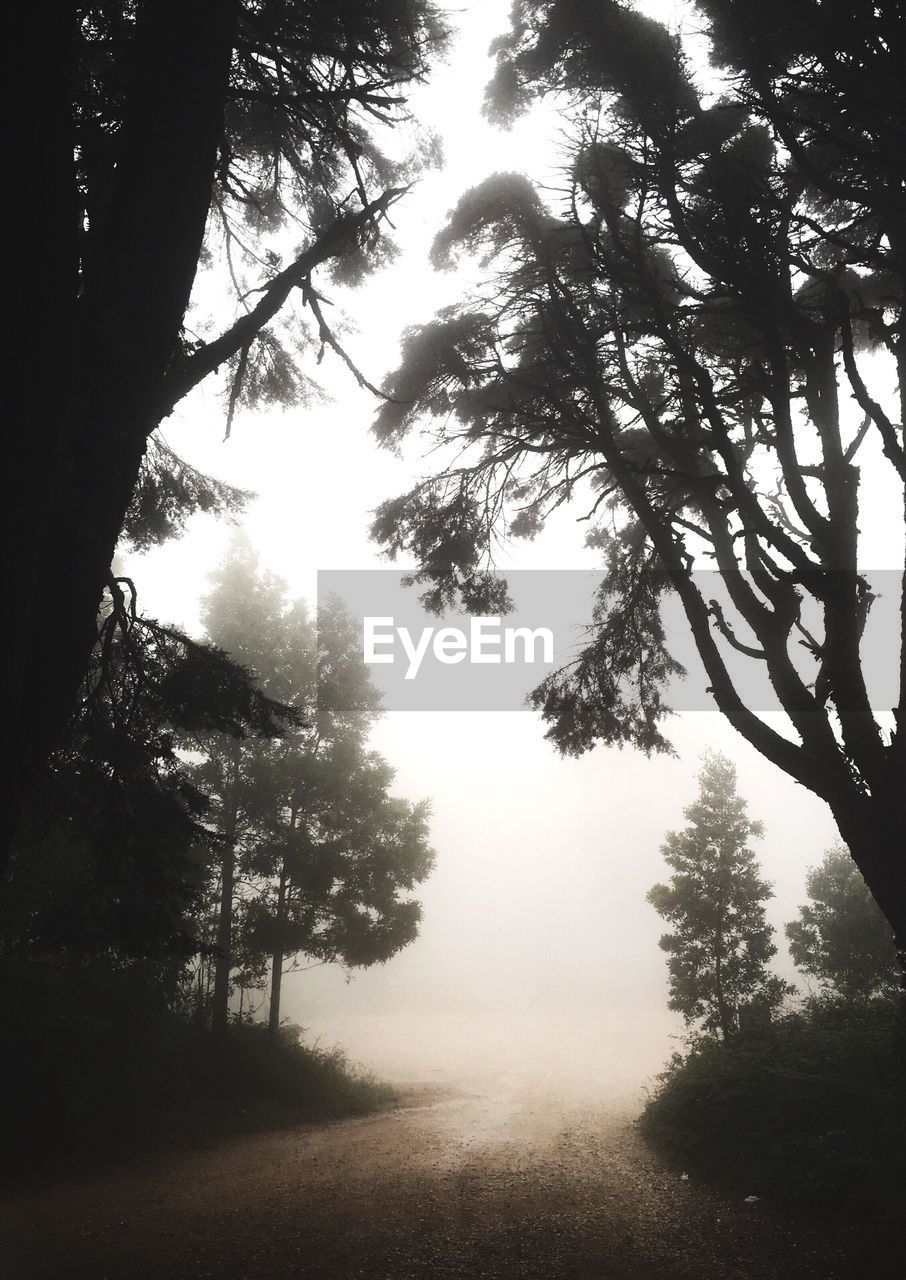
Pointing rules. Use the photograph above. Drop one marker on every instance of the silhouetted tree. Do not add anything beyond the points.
(154, 126)
(721, 942)
(115, 850)
(332, 877)
(317, 857)
(676, 341)
(841, 939)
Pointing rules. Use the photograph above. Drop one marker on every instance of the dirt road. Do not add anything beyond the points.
(489, 1182)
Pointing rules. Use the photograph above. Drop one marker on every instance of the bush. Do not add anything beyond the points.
(808, 1111)
(123, 1072)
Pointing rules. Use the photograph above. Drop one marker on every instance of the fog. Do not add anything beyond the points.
(538, 953)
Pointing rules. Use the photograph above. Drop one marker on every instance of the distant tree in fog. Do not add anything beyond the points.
(720, 942)
(318, 858)
(841, 938)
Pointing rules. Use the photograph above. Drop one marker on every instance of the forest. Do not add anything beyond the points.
(442, 302)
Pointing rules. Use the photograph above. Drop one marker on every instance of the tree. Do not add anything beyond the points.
(681, 341)
(111, 861)
(841, 939)
(154, 126)
(318, 858)
(332, 879)
(721, 942)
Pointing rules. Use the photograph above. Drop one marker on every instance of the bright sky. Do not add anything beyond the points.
(538, 949)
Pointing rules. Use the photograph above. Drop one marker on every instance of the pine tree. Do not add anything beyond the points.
(318, 857)
(720, 942)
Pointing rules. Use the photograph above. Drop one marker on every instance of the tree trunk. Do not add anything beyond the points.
(77, 452)
(875, 833)
(273, 1022)
(44, 269)
(727, 1026)
(220, 1008)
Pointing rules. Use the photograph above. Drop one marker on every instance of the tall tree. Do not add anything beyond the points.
(154, 124)
(720, 942)
(318, 857)
(681, 342)
(841, 939)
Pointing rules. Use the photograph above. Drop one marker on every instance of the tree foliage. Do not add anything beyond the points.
(253, 136)
(720, 942)
(841, 939)
(694, 338)
(320, 858)
(168, 492)
(115, 853)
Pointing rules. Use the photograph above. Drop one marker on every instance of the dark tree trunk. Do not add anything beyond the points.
(223, 962)
(220, 1006)
(273, 1021)
(44, 266)
(96, 396)
(875, 832)
(727, 1025)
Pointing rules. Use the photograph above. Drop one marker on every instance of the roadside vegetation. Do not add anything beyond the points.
(105, 1087)
(806, 1112)
(213, 821)
(801, 1105)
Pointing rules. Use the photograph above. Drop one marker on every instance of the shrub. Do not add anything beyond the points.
(808, 1111)
(87, 1081)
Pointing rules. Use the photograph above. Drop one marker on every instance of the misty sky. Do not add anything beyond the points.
(537, 948)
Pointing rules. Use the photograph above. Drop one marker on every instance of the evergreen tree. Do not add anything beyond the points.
(696, 340)
(104, 906)
(720, 942)
(318, 857)
(841, 939)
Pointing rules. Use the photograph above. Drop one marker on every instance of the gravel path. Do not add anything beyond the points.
(489, 1183)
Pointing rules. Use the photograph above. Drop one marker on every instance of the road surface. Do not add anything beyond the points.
(486, 1182)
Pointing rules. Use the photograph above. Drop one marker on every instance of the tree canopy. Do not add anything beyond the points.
(319, 857)
(695, 339)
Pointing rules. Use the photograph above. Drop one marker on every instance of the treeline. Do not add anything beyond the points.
(213, 820)
(788, 1095)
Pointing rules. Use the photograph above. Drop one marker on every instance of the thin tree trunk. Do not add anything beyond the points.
(221, 1003)
(723, 1013)
(224, 942)
(273, 1022)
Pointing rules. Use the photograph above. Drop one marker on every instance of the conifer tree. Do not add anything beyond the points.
(319, 858)
(720, 942)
